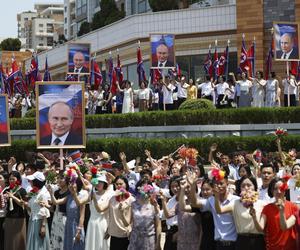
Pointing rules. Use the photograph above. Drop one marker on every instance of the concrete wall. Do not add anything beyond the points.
(190, 131)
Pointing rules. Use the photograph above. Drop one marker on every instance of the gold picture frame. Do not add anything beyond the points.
(69, 127)
(85, 49)
(286, 41)
(5, 138)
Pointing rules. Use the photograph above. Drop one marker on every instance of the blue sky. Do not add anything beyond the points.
(11, 8)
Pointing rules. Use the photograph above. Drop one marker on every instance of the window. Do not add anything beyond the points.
(133, 7)
(142, 6)
(66, 9)
(41, 25)
(66, 19)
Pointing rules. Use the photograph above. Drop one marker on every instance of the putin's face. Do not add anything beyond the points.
(286, 43)
(60, 118)
(162, 53)
(78, 60)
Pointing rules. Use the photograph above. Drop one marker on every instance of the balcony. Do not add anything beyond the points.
(43, 47)
(44, 34)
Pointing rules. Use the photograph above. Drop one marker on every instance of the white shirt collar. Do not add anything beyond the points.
(287, 54)
(163, 63)
(62, 138)
(79, 70)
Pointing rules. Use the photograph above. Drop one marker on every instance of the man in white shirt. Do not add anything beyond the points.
(181, 90)
(167, 90)
(206, 89)
(267, 175)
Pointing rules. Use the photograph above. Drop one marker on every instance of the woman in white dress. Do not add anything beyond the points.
(127, 99)
(271, 90)
(98, 223)
(258, 91)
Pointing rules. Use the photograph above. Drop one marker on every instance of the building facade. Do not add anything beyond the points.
(195, 29)
(40, 29)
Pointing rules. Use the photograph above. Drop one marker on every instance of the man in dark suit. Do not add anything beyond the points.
(288, 50)
(162, 54)
(78, 60)
(60, 118)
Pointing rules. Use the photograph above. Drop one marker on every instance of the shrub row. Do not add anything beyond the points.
(182, 117)
(159, 147)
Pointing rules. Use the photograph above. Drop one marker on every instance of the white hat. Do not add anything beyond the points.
(102, 178)
(131, 164)
(36, 175)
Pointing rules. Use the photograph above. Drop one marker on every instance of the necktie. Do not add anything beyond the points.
(76, 71)
(161, 65)
(284, 56)
(57, 141)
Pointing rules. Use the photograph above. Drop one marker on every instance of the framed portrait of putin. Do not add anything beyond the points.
(286, 39)
(162, 51)
(5, 139)
(79, 58)
(60, 114)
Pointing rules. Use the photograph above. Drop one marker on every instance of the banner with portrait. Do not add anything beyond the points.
(60, 115)
(286, 39)
(5, 139)
(162, 51)
(79, 58)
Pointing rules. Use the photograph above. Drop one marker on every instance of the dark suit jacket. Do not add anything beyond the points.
(168, 64)
(72, 139)
(293, 55)
(83, 70)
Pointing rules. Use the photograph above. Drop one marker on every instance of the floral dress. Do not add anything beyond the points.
(189, 230)
(142, 236)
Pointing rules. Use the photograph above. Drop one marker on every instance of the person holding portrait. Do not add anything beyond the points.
(61, 118)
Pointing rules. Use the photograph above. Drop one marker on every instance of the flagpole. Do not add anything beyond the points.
(61, 158)
(254, 48)
(288, 75)
(227, 59)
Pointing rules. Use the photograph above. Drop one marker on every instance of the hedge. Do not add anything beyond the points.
(194, 104)
(182, 117)
(158, 147)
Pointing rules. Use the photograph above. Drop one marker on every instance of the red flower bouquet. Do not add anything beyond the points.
(280, 132)
(122, 194)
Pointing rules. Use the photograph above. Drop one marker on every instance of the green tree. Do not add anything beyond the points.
(11, 44)
(108, 14)
(85, 28)
(158, 5)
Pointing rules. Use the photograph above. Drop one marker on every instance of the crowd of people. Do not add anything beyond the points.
(246, 200)
(170, 92)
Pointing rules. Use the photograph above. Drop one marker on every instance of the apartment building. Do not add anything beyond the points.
(40, 29)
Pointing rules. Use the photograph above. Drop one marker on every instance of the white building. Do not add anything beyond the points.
(41, 28)
(24, 28)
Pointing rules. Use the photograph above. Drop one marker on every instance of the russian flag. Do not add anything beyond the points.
(69, 93)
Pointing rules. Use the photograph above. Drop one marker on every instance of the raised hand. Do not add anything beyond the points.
(122, 156)
(191, 177)
(213, 147)
(147, 153)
